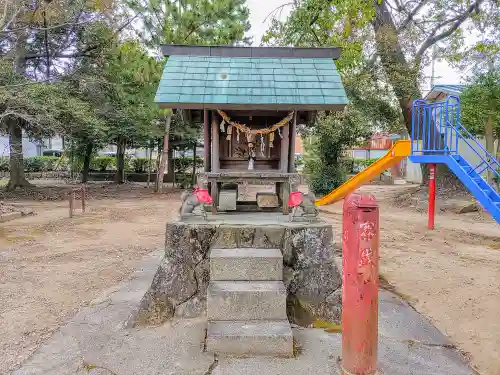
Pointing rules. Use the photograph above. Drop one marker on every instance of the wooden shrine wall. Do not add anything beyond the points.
(233, 155)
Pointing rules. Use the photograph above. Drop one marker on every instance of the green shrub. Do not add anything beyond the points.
(184, 180)
(360, 164)
(41, 163)
(140, 165)
(103, 163)
(33, 164)
(184, 163)
(129, 166)
(327, 178)
(4, 164)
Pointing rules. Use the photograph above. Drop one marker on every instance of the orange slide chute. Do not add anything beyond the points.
(399, 151)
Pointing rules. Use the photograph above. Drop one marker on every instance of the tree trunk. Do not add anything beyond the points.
(14, 125)
(193, 177)
(120, 161)
(149, 155)
(86, 162)
(17, 178)
(490, 146)
(498, 149)
(403, 79)
(164, 156)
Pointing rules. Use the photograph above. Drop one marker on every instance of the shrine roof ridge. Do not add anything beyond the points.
(250, 52)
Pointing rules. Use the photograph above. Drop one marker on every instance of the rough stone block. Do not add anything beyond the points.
(308, 246)
(188, 244)
(227, 200)
(226, 237)
(267, 200)
(260, 338)
(180, 286)
(246, 236)
(246, 300)
(246, 264)
(268, 238)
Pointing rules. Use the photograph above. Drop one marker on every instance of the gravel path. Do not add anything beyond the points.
(51, 266)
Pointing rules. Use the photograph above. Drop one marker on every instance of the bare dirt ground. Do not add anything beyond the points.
(451, 274)
(50, 266)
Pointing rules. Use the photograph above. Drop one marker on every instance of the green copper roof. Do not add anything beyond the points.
(232, 82)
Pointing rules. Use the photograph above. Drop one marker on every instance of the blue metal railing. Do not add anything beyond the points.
(488, 161)
(430, 130)
(437, 130)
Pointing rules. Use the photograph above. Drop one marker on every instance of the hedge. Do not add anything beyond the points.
(37, 163)
(357, 165)
(98, 164)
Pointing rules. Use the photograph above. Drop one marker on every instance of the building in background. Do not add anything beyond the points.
(376, 147)
(55, 145)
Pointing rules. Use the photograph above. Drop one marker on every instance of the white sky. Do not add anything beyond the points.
(260, 9)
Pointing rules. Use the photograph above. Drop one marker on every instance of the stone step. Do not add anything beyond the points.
(246, 300)
(242, 338)
(246, 264)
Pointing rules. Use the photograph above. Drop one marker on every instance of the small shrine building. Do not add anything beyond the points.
(251, 101)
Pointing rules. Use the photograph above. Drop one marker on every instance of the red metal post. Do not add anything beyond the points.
(432, 195)
(360, 253)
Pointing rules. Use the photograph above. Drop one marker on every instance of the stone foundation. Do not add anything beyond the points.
(310, 274)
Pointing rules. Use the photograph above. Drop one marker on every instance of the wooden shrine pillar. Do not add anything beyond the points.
(285, 145)
(206, 140)
(293, 135)
(215, 145)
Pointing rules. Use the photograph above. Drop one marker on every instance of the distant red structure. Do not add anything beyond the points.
(379, 142)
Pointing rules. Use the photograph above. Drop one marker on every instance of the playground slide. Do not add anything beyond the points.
(399, 151)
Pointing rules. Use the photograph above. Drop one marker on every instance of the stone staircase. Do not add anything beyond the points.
(246, 304)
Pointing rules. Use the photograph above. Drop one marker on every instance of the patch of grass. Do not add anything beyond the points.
(89, 366)
(328, 326)
(494, 245)
(297, 349)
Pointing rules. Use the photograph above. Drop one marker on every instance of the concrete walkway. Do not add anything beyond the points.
(98, 341)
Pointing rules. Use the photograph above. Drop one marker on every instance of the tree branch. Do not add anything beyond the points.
(411, 15)
(14, 16)
(4, 16)
(84, 52)
(457, 22)
(70, 32)
(275, 10)
(46, 28)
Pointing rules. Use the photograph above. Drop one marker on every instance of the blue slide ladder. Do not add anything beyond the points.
(436, 135)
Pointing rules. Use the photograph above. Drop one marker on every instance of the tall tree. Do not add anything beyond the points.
(41, 110)
(480, 103)
(43, 40)
(395, 35)
(205, 22)
(124, 97)
(201, 22)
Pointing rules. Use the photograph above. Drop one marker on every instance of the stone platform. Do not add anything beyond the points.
(98, 341)
(310, 274)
